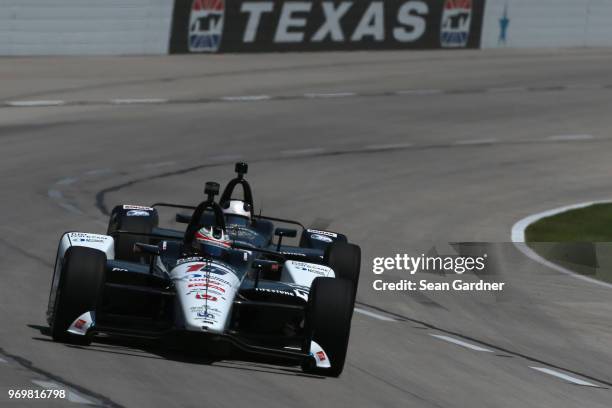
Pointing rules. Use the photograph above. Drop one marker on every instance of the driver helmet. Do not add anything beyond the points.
(212, 241)
(237, 212)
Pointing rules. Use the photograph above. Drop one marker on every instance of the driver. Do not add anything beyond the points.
(212, 241)
(215, 243)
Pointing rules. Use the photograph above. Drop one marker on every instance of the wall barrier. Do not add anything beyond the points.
(115, 27)
(547, 23)
(84, 27)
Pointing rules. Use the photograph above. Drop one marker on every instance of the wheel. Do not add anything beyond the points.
(124, 244)
(80, 287)
(328, 322)
(345, 260)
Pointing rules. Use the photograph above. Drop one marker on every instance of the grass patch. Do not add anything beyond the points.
(580, 240)
(588, 224)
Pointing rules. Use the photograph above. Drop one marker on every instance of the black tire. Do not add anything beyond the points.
(124, 244)
(328, 322)
(80, 287)
(345, 260)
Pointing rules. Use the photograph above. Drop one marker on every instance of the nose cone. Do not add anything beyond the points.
(206, 293)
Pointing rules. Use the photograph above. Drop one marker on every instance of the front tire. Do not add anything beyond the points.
(345, 260)
(328, 322)
(80, 288)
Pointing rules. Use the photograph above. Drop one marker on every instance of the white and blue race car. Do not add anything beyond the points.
(223, 285)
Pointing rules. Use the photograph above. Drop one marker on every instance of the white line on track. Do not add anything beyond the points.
(70, 395)
(97, 172)
(132, 101)
(69, 207)
(461, 343)
(374, 315)
(246, 98)
(55, 194)
(35, 103)
(518, 238)
(156, 165)
(330, 95)
(477, 141)
(59, 197)
(390, 146)
(299, 152)
(67, 181)
(419, 92)
(566, 138)
(565, 377)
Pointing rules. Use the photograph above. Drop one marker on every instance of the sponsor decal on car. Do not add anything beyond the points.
(319, 232)
(190, 259)
(90, 238)
(205, 296)
(311, 268)
(214, 268)
(203, 278)
(206, 285)
(277, 291)
(209, 291)
(119, 270)
(198, 309)
(455, 24)
(137, 213)
(320, 237)
(293, 253)
(137, 207)
(205, 25)
(79, 324)
(205, 315)
(321, 356)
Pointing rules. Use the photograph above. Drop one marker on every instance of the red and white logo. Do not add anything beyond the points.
(321, 356)
(205, 285)
(80, 324)
(204, 296)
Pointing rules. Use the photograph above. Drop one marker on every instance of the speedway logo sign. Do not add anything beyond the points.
(456, 19)
(205, 25)
(287, 25)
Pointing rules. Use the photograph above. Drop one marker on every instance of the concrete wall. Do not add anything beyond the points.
(547, 23)
(71, 27)
(89, 27)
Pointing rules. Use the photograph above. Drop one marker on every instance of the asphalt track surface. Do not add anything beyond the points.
(398, 150)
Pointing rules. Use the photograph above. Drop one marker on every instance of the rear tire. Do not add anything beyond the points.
(80, 288)
(345, 260)
(328, 322)
(124, 244)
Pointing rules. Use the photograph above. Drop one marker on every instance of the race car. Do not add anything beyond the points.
(213, 284)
